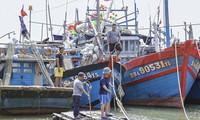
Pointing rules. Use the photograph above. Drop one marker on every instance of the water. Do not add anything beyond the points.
(134, 113)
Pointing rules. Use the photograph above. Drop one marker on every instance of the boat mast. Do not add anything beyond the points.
(51, 28)
(98, 17)
(167, 23)
(30, 9)
(136, 22)
(46, 18)
(65, 23)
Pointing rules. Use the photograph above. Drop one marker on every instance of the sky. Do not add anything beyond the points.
(179, 11)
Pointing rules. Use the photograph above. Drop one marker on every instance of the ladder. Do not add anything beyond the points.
(41, 64)
(8, 65)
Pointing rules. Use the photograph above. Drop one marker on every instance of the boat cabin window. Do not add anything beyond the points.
(27, 65)
(16, 70)
(16, 64)
(132, 45)
(126, 45)
(27, 71)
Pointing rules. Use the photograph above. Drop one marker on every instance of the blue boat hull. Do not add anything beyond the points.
(153, 79)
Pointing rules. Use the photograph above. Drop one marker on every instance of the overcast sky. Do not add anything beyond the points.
(179, 11)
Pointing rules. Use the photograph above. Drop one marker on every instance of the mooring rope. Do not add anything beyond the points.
(120, 105)
(178, 77)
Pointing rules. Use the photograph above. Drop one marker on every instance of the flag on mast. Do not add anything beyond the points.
(24, 31)
(23, 13)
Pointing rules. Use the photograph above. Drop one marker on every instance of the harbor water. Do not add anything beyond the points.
(134, 113)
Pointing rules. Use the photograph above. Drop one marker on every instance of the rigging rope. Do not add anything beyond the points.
(171, 26)
(43, 10)
(180, 93)
(120, 105)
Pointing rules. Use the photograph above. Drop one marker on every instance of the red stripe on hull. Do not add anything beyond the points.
(191, 72)
(166, 54)
(185, 65)
(151, 77)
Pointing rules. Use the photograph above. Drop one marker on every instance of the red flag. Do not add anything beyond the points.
(23, 13)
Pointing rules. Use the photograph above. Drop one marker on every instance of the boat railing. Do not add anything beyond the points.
(24, 52)
(29, 45)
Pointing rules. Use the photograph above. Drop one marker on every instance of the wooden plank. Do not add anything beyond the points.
(96, 115)
(85, 115)
(71, 116)
(68, 114)
(59, 117)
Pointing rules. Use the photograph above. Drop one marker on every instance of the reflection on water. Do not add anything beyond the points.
(134, 113)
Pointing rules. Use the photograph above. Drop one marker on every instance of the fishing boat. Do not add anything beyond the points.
(154, 78)
(162, 78)
(26, 86)
(94, 51)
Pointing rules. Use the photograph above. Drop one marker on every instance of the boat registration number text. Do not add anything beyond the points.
(196, 65)
(88, 75)
(150, 68)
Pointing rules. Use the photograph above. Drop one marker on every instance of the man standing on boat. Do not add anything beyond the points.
(77, 93)
(114, 40)
(105, 93)
(59, 68)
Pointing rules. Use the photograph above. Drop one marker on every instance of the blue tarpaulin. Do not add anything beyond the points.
(58, 37)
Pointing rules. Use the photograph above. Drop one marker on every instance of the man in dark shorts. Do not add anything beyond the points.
(77, 94)
(114, 40)
(105, 93)
(59, 68)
